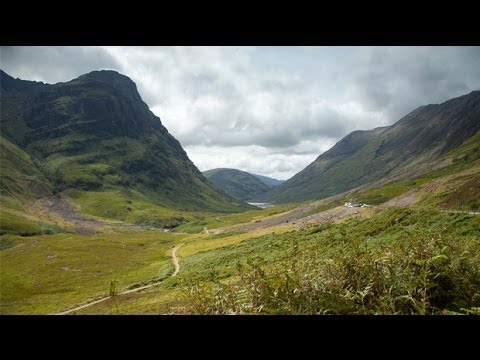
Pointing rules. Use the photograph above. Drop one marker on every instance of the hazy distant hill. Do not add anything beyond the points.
(269, 181)
(239, 184)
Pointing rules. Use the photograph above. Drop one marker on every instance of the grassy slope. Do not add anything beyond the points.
(399, 261)
(50, 273)
(95, 134)
(218, 221)
(92, 173)
(134, 208)
(45, 274)
(236, 183)
(422, 136)
(325, 239)
(207, 258)
(385, 232)
(20, 178)
(44, 286)
(21, 181)
(458, 196)
(210, 258)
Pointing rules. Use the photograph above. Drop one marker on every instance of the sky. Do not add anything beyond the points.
(266, 110)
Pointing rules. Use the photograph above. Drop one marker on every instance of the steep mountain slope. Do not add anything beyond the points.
(95, 134)
(365, 156)
(20, 178)
(267, 180)
(239, 184)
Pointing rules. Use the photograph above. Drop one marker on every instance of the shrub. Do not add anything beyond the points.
(424, 274)
(161, 222)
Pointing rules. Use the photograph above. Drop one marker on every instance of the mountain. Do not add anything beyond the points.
(267, 180)
(92, 135)
(239, 184)
(361, 157)
(20, 178)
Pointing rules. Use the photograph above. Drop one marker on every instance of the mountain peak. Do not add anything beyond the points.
(110, 79)
(105, 75)
(96, 134)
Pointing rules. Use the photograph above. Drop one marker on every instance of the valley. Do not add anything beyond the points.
(103, 212)
(147, 286)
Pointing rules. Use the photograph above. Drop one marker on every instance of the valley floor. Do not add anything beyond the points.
(72, 271)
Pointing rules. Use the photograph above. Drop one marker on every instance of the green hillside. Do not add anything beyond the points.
(365, 156)
(268, 180)
(102, 212)
(239, 184)
(94, 135)
(21, 181)
(20, 177)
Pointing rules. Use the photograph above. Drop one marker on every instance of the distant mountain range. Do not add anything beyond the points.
(240, 184)
(95, 134)
(361, 157)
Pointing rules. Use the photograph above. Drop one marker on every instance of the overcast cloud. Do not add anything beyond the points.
(266, 110)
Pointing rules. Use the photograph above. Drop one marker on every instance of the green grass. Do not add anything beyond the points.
(209, 242)
(51, 273)
(20, 179)
(5, 244)
(460, 193)
(217, 221)
(466, 197)
(387, 235)
(384, 193)
(464, 157)
(17, 225)
(118, 205)
(398, 236)
(34, 279)
(77, 162)
(133, 207)
(170, 294)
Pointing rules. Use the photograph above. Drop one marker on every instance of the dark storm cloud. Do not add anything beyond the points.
(396, 80)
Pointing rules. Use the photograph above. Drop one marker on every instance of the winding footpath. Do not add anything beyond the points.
(175, 259)
(177, 269)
